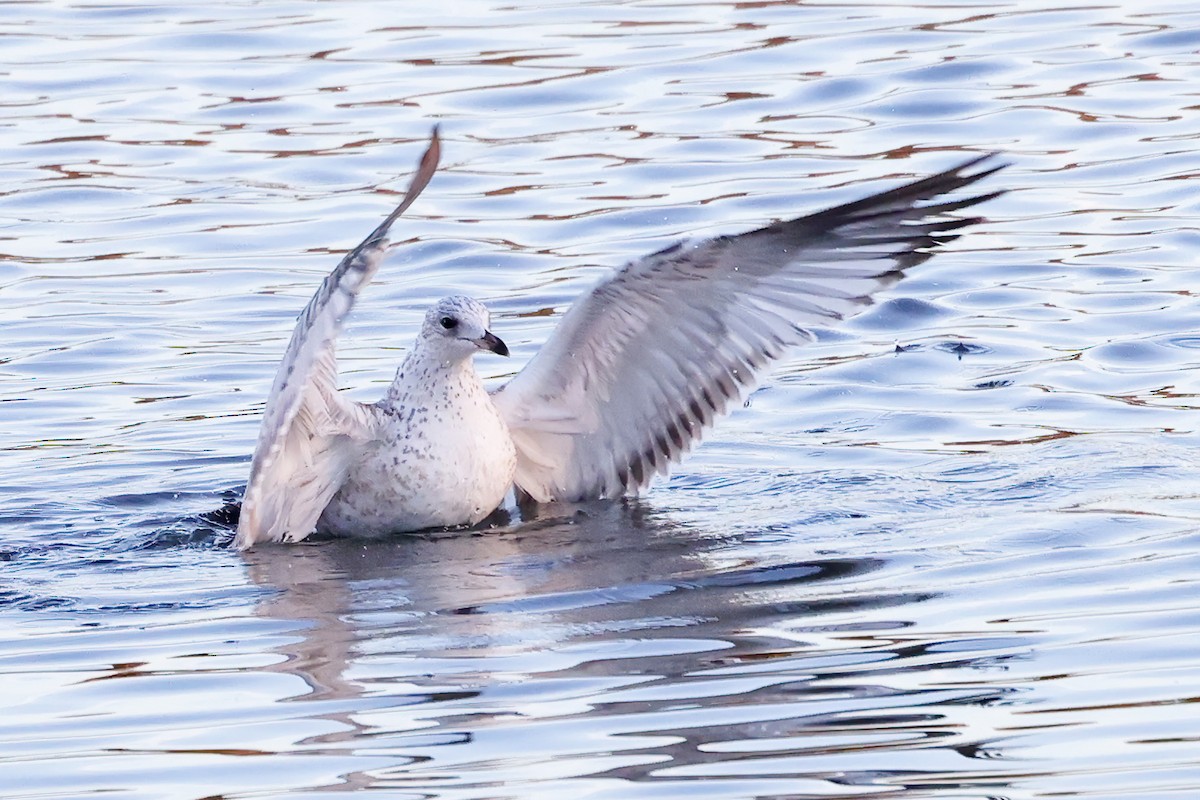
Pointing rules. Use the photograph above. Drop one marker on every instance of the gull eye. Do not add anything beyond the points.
(449, 323)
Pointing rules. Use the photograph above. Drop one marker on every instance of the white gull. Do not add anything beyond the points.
(635, 372)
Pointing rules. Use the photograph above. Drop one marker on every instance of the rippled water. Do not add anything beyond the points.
(964, 568)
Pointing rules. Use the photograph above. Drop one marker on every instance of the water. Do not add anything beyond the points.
(962, 570)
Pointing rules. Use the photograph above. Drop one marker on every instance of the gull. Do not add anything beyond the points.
(631, 378)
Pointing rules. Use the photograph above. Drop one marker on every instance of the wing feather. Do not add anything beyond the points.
(309, 429)
(641, 366)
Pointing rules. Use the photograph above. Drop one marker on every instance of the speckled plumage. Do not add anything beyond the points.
(440, 454)
(634, 374)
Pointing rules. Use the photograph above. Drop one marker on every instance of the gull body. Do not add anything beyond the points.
(633, 375)
(440, 454)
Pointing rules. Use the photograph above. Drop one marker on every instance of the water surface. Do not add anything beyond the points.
(960, 568)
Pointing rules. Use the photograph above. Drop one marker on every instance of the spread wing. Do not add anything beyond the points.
(309, 429)
(640, 367)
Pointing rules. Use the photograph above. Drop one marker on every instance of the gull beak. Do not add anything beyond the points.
(491, 341)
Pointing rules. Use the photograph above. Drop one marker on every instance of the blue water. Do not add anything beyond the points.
(947, 551)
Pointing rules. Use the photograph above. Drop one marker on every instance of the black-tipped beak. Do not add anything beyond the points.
(491, 341)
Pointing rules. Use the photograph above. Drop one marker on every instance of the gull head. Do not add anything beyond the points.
(457, 327)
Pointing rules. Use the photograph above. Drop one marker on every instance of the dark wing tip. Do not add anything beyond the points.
(904, 202)
(426, 168)
(949, 180)
(975, 177)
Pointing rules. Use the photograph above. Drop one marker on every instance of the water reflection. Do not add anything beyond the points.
(626, 647)
(488, 590)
